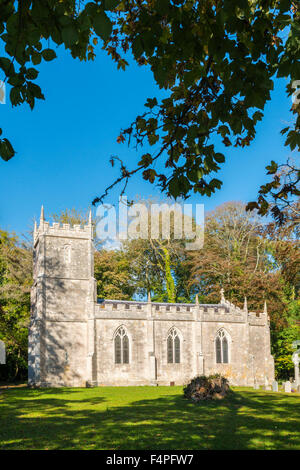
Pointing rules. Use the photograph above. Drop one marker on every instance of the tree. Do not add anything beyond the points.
(218, 63)
(282, 340)
(281, 195)
(155, 259)
(26, 29)
(285, 248)
(249, 257)
(113, 275)
(237, 256)
(15, 283)
(72, 216)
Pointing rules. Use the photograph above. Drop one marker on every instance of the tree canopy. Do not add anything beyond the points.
(216, 60)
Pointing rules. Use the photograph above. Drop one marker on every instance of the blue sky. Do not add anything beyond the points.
(64, 145)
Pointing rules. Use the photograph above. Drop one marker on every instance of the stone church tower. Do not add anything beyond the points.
(77, 340)
(62, 305)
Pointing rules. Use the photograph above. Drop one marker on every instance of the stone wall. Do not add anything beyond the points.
(148, 325)
(62, 301)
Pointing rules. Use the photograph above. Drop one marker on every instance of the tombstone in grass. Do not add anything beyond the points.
(288, 387)
(2, 353)
(275, 386)
(267, 386)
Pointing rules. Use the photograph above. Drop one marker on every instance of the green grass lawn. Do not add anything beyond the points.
(146, 418)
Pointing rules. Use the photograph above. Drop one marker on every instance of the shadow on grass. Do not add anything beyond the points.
(104, 419)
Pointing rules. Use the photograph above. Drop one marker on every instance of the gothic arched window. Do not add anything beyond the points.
(121, 346)
(173, 346)
(222, 348)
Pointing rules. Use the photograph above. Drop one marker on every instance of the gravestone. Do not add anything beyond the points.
(288, 387)
(267, 386)
(296, 360)
(275, 386)
(256, 386)
(2, 353)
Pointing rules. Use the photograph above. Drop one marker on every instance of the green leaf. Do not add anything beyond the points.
(111, 4)
(257, 116)
(252, 205)
(15, 96)
(152, 138)
(102, 25)
(149, 175)
(36, 58)
(223, 130)
(161, 75)
(16, 80)
(151, 102)
(137, 47)
(48, 54)
(36, 91)
(6, 65)
(6, 150)
(69, 35)
(219, 157)
(32, 74)
(293, 140)
(215, 183)
(174, 187)
(272, 168)
(284, 130)
(146, 160)
(179, 186)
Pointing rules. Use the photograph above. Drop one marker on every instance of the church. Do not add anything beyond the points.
(77, 340)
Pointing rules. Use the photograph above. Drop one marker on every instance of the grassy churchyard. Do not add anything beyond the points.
(118, 418)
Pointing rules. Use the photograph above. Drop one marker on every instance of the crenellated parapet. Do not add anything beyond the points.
(223, 312)
(257, 318)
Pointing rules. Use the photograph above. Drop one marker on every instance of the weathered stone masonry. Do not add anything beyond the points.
(74, 340)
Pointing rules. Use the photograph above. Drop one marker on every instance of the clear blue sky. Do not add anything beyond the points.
(64, 145)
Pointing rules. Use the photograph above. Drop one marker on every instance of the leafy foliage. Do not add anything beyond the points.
(31, 29)
(280, 193)
(15, 283)
(282, 342)
(112, 272)
(217, 61)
